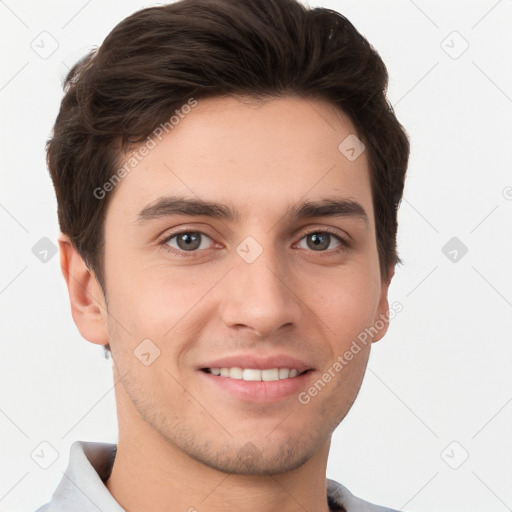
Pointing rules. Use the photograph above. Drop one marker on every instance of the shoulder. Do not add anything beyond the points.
(340, 498)
(44, 508)
(82, 486)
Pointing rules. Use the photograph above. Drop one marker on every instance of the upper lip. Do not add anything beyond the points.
(258, 362)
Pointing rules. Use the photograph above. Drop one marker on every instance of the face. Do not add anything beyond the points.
(262, 286)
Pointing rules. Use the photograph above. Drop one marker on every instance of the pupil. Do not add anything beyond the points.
(188, 241)
(320, 240)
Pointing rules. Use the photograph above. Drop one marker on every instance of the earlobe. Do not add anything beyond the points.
(85, 294)
(381, 322)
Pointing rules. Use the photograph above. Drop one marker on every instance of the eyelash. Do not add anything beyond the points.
(344, 245)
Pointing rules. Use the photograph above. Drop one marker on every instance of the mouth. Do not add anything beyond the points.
(255, 374)
(257, 379)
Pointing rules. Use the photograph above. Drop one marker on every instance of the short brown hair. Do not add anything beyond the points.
(158, 58)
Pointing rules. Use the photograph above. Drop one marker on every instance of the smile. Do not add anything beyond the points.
(255, 374)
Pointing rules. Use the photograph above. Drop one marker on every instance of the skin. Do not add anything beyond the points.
(186, 443)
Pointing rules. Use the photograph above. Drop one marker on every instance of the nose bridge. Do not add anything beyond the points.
(259, 294)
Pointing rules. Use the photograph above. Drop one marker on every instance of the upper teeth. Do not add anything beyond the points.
(255, 374)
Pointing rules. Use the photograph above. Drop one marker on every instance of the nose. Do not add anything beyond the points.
(259, 296)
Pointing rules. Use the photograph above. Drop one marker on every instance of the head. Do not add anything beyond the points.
(249, 107)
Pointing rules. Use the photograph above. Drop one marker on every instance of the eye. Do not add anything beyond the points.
(188, 241)
(319, 241)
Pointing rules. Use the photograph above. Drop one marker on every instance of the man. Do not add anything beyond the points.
(228, 176)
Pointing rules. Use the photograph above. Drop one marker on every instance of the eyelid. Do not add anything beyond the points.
(336, 231)
(169, 236)
(170, 233)
(344, 244)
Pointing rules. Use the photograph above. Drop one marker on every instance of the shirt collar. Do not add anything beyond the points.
(90, 463)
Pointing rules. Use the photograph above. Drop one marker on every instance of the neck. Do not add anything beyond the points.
(155, 476)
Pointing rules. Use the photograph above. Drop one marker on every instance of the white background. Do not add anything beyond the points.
(443, 371)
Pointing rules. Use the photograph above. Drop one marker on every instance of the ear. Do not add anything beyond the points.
(88, 306)
(381, 321)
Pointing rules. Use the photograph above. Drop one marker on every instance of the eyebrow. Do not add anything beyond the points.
(178, 205)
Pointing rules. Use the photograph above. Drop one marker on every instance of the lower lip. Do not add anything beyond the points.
(259, 391)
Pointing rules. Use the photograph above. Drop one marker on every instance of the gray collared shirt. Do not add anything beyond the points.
(82, 488)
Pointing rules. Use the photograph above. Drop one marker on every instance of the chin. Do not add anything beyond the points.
(253, 461)
(259, 456)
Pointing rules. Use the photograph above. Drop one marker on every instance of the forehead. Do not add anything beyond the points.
(249, 154)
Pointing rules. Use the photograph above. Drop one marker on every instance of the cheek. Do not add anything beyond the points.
(153, 296)
(157, 304)
(349, 304)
